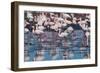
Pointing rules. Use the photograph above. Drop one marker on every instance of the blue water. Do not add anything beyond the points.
(32, 45)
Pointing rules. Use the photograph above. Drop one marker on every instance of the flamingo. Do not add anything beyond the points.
(26, 30)
(87, 36)
(39, 29)
(70, 29)
(63, 34)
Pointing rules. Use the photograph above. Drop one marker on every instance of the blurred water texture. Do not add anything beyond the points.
(49, 46)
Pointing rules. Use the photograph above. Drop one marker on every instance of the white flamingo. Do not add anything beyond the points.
(29, 15)
(66, 15)
(39, 30)
(70, 29)
(26, 30)
(62, 34)
(87, 36)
